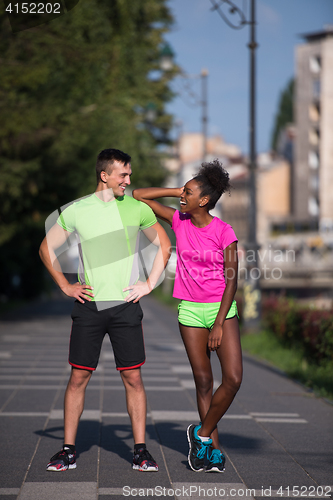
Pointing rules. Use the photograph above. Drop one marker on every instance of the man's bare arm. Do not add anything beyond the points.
(53, 240)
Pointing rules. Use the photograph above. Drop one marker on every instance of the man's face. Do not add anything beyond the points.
(119, 178)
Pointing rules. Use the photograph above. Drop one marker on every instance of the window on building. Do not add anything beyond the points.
(315, 64)
(313, 206)
(314, 182)
(313, 160)
(314, 136)
(314, 112)
(316, 89)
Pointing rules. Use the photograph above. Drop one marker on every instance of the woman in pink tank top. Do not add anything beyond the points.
(206, 283)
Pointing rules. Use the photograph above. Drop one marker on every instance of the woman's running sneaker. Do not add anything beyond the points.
(198, 448)
(63, 460)
(143, 461)
(216, 461)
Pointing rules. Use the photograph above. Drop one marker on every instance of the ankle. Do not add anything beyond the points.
(70, 447)
(204, 439)
(139, 446)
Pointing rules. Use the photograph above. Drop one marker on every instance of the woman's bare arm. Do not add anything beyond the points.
(149, 195)
(231, 275)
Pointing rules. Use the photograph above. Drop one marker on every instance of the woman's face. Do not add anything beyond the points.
(191, 197)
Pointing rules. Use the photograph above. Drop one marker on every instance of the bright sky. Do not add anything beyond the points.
(201, 39)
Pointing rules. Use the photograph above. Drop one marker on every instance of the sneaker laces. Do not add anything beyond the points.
(215, 456)
(204, 447)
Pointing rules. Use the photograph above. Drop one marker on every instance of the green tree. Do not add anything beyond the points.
(284, 114)
(68, 89)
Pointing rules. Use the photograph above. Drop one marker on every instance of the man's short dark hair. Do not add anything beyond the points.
(106, 158)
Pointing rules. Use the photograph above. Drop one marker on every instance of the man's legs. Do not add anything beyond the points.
(136, 402)
(74, 402)
(73, 407)
(87, 334)
(137, 409)
(125, 330)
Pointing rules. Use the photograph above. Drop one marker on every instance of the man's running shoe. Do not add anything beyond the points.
(216, 461)
(142, 460)
(198, 448)
(62, 460)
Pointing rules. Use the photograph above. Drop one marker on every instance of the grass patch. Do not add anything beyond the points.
(291, 360)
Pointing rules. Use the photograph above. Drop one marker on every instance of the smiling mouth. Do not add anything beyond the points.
(182, 202)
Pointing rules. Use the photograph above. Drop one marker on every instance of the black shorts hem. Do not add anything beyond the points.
(82, 367)
(121, 368)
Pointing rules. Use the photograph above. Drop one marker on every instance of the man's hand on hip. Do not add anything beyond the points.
(78, 291)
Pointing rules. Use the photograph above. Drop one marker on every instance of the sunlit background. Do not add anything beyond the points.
(168, 81)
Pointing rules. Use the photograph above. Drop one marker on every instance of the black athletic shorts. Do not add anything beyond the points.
(122, 323)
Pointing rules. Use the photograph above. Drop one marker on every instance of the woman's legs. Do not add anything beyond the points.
(195, 341)
(230, 356)
(211, 409)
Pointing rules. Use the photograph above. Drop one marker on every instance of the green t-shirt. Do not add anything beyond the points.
(108, 240)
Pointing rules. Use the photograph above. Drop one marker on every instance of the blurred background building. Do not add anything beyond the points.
(294, 182)
(313, 174)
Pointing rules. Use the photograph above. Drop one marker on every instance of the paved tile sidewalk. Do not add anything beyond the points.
(275, 435)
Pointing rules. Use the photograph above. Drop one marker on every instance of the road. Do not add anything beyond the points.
(277, 436)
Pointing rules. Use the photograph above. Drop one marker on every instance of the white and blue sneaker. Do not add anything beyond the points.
(198, 448)
(216, 461)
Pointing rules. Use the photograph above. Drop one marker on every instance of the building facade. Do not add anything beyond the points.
(313, 168)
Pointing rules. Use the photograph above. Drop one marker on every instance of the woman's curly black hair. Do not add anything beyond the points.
(213, 180)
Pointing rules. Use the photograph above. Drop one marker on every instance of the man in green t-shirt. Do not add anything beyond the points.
(106, 226)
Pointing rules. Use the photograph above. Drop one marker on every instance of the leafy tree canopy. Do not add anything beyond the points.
(284, 114)
(69, 89)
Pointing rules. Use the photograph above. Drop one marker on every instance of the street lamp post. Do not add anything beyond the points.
(252, 294)
(253, 153)
(204, 118)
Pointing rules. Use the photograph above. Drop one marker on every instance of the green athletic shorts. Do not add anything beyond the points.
(202, 314)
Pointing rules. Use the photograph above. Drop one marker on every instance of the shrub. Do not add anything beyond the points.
(304, 327)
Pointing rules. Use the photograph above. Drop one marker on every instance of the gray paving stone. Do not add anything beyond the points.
(18, 443)
(40, 400)
(57, 491)
(4, 395)
(259, 459)
(275, 433)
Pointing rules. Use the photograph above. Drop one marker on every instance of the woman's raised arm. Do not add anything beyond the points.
(148, 195)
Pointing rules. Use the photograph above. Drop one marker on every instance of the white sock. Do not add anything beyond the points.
(204, 439)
